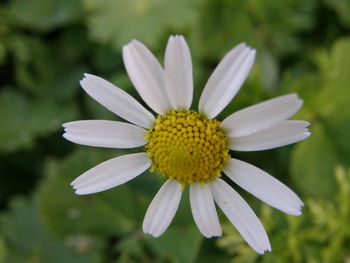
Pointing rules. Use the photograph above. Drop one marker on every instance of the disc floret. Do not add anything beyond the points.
(185, 146)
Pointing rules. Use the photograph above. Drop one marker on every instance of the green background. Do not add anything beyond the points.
(45, 47)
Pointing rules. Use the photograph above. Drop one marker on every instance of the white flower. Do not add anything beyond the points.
(190, 147)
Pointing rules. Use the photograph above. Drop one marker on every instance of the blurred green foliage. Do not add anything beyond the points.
(47, 45)
(322, 234)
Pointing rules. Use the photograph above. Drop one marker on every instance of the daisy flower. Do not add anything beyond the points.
(190, 147)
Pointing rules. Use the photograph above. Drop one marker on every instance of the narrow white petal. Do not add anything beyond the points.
(240, 215)
(101, 133)
(117, 101)
(147, 76)
(162, 210)
(204, 211)
(263, 186)
(226, 80)
(111, 173)
(284, 133)
(261, 116)
(178, 73)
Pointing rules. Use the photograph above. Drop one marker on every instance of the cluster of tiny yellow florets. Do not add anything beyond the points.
(187, 147)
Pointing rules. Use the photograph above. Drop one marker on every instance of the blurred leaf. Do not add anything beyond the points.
(180, 244)
(342, 8)
(14, 115)
(5, 33)
(35, 109)
(46, 74)
(24, 120)
(209, 252)
(312, 164)
(107, 60)
(131, 250)
(265, 24)
(44, 15)
(109, 213)
(118, 22)
(327, 106)
(48, 116)
(269, 70)
(333, 66)
(321, 234)
(74, 45)
(2, 250)
(24, 233)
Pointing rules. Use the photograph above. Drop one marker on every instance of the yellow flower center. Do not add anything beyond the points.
(185, 146)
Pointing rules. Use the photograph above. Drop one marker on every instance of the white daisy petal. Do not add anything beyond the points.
(240, 215)
(263, 186)
(226, 80)
(162, 210)
(261, 116)
(178, 73)
(204, 211)
(147, 76)
(111, 173)
(101, 133)
(117, 101)
(284, 133)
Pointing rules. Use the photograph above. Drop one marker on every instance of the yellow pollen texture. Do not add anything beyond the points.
(187, 147)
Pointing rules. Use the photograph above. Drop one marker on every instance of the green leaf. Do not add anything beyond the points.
(334, 89)
(265, 24)
(29, 242)
(180, 244)
(312, 164)
(48, 115)
(342, 8)
(2, 250)
(23, 119)
(14, 115)
(131, 250)
(326, 96)
(65, 213)
(47, 74)
(118, 22)
(321, 234)
(44, 15)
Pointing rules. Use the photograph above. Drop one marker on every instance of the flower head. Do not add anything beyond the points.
(190, 147)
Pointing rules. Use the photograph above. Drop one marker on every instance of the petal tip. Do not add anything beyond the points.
(252, 52)
(307, 134)
(84, 83)
(133, 42)
(81, 191)
(65, 135)
(242, 44)
(153, 234)
(296, 211)
(88, 75)
(216, 235)
(268, 250)
(126, 48)
(267, 246)
(263, 251)
(78, 192)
